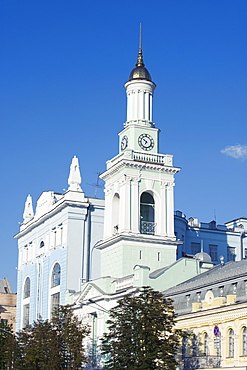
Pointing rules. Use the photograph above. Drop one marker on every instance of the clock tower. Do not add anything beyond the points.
(139, 187)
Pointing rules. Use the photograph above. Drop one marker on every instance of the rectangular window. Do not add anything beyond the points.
(53, 237)
(245, 253)
(55, 301)
(195, 248)
(234, 288)
(140, 255)
(25, 253)
(213, 252)
(25, 315)
(29, 251)
(188, 300)
(231, 254)
(231, 343)
(61, 236)
(158, 256)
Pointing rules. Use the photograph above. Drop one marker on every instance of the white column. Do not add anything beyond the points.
(146, 98)
(163, 209)
(141, 104)
(132, 102)
(107, 213)
(135, 201)
(128, 107)
(170, 209)
(150, 107)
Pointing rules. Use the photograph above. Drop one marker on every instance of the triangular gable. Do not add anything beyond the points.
(89, 291)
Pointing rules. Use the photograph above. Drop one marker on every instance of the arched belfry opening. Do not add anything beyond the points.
(147, 214)
(115, 213)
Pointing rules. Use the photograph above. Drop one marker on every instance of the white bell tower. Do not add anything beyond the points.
(139, 187)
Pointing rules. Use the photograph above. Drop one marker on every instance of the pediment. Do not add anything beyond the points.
(89, 291)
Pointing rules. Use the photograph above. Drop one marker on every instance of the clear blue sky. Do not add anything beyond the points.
(63, 64)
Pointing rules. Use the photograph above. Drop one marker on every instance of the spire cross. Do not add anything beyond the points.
(140, 62)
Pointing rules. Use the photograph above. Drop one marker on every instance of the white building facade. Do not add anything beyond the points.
(56, 244)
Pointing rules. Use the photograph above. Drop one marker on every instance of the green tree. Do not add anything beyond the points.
(70, 333)
(7, 345)
(38, 347)
(52, 345)
(141, 333)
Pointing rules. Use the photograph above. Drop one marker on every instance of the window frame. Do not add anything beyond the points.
(244, 341)
(231, 343)
(27, 288)
(56, 276)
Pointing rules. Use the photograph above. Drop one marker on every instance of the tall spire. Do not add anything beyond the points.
(74, 179)
(140, 62)
(28, 210)
(140, 72)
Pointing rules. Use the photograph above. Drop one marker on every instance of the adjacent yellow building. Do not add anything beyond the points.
(212, 307)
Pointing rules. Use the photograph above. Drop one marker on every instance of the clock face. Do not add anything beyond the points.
(124, 143)
(146, 142)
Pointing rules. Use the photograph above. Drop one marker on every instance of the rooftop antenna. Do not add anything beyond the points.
(97, 185)
(214, 214)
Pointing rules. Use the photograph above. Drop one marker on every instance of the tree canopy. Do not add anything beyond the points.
(7, 344)
(49, 345)
(141, 333)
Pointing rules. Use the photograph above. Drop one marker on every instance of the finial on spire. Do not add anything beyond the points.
(28, 209)
(140, 37)
(74, 179)
(140, 62)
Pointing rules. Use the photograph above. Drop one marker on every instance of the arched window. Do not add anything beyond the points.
(231, 343)
(205, 345)
(147, 225)
(42, 244)
(55, 277)
(244, 341)
(26, 292)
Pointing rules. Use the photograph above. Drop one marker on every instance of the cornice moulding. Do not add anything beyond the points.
(151, 239)
(36, 222)
(144, 166)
